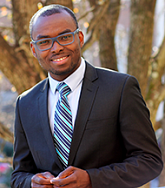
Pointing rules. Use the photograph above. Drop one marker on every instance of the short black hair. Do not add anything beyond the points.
(48, 11)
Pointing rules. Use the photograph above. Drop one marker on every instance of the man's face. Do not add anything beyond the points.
(59, 61)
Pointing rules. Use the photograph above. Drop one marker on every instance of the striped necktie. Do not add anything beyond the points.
(63, 129)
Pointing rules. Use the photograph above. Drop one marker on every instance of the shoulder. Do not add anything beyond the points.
(109, 76)
(109, 81)
(35, 90)
(110, 73)
(103, 72)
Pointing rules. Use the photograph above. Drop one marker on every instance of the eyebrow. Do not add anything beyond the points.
(47, 36)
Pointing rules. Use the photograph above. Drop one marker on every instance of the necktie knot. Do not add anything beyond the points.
(63, 89)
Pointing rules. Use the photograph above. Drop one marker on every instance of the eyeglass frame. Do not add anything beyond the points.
(54, 39)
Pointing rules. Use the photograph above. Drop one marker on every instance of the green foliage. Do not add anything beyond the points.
(8, 150)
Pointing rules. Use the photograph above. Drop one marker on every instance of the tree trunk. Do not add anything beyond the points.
(103, 26)
(67, 3)
(107, 30)
(22, 12)
(140, 45)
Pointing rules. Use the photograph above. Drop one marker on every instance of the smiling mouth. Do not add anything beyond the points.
(60, 59)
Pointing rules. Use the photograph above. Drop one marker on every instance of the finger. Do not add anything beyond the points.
(34, 185)
(67, 172)
(40, 179)
(77, 178)
(56, 182)
(64, 178)
(47, 175)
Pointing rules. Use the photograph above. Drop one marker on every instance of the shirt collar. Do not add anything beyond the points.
(72, 81)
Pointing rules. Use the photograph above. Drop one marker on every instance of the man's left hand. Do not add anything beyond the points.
(72, 177)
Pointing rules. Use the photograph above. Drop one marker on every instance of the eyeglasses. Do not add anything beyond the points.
(63, 40)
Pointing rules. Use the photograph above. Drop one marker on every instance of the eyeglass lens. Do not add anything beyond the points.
(62, 40)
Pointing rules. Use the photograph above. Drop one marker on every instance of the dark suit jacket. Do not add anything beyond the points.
(113, 137)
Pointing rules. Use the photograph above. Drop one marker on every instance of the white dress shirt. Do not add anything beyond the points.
(74, 81)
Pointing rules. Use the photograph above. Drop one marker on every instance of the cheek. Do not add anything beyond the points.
(41, 55)
(76, 55)
(77, 50)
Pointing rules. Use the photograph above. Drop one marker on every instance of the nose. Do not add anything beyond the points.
(56, 47)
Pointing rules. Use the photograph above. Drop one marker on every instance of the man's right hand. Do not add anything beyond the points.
(42, 180)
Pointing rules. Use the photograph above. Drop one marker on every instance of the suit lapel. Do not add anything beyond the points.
(43, 112)
(87, 97)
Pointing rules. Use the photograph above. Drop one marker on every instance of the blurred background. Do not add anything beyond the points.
(124, 35)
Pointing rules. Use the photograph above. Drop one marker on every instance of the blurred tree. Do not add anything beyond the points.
(5, 133)
(102, 28)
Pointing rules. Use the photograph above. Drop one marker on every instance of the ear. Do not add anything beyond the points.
(81, 38)
(33, 49)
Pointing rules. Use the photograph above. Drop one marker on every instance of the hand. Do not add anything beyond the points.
(72, 177)
(42, 180)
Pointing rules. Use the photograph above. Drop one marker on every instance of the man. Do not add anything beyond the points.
(111, 141)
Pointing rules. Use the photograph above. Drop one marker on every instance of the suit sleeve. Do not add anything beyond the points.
(143, 158)
(23, 164)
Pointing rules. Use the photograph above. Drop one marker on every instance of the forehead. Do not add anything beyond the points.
(53, 24)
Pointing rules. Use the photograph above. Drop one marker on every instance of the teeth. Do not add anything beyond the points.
(60, 59)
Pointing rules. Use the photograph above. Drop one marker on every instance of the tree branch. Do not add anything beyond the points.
(9, 8)
(6, 134)
(162, 93)
(5, 50)
(11, 59)
(158, 67)
(90, 41)
(86, 13)
(156, 88)
(160, 57)
(6, 27)
(98, 15)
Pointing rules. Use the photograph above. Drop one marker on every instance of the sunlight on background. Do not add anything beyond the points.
(39, 5)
